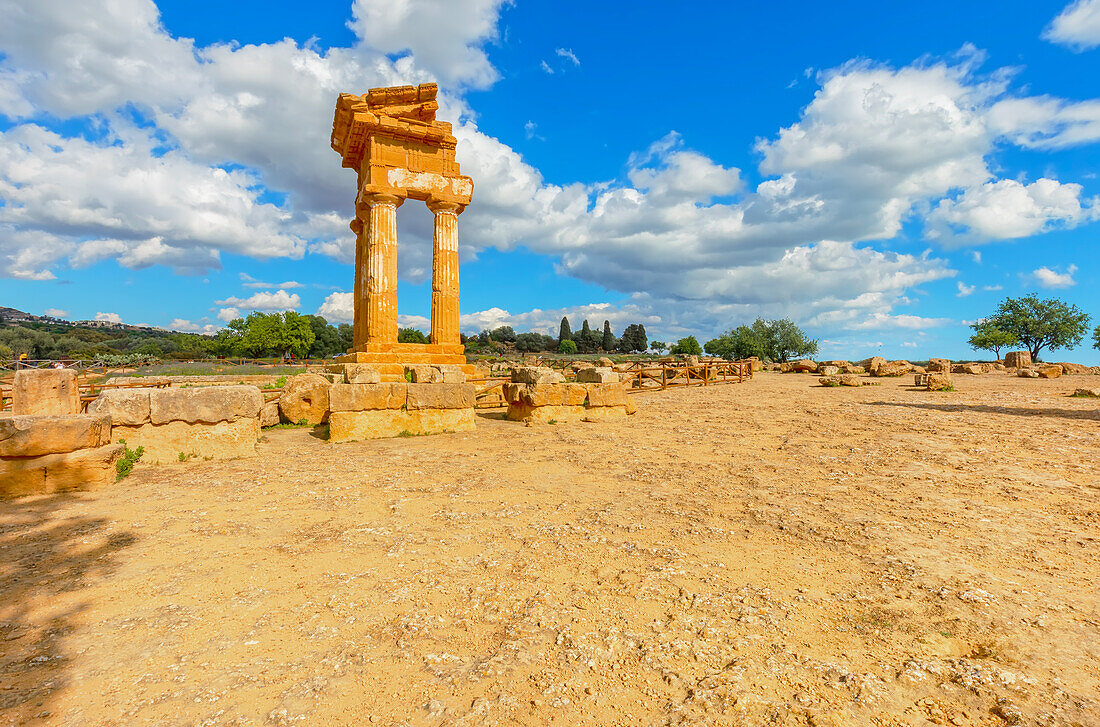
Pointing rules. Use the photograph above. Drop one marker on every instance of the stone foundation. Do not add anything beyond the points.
(45, 392)
(540, 396)
(376, 411)
(350, 426)
(216, 422)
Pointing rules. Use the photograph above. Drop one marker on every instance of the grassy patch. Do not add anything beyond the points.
(126, 463)
(1083, 395)
(183, 457)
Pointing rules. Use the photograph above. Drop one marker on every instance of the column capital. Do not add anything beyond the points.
(438, 205)
(373, 199)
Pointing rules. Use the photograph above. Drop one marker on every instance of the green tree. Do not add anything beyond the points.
(658, 346)
(688, 346)
(742, 342)
(607, 343)
(634, 339)
(987, 337)
(503, 334)
(565, 333)
(588, 341)
(1039, 324)
(1096, 337)
(347, 334)
(784, 340)
(567, 347)
(326, 339)
(295, 335)
(534, 342)
(411, 335)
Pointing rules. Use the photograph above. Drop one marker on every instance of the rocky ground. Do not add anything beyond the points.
(768, 553)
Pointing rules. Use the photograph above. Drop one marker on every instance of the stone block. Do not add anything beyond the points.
(452, 374)
(599, 375)
(606, 395)
(440, 396)
(892, 368)
(82, 469)
(1018, 359)
(536, 375)
(367, 397)
(361, 374)
(544, 414)
(939, 365)
(164, 442)
(828, 370)
(128, 407)
(604, 413)
(1051, 371)
(349, 426)
(1027, 374)
(938, 381)
(305, 398)
(840, 380)
(423, 374)
(269, 414)
(29, 436)
(45, 392)
(207, 405)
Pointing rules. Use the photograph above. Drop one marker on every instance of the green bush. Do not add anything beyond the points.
(126, 463)
(567, 347)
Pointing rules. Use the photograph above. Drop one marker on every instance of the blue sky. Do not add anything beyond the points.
(882, 174)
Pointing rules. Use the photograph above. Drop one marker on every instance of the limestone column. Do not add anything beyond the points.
(359, 299)
(381, 280)
(445, 323)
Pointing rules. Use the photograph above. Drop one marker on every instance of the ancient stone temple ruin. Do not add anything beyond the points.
(391, 138)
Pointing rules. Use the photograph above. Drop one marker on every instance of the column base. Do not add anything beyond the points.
(391, 358)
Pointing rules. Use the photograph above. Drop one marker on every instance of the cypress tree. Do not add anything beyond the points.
(565, 333)
(608, 342)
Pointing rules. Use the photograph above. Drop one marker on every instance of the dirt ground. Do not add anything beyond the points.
(767, 553)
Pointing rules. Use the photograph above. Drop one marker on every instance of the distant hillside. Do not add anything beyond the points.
(46, 337)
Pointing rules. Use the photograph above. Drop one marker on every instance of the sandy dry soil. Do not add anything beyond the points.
(770, 553)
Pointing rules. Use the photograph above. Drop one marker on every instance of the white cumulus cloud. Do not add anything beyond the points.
(1048, 278)
(108, 317)
(1077, 26)
(278, 300)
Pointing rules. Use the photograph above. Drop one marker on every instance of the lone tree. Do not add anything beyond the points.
(565, 333)
(608, 342)
(587, 340)
(1096, 338)
(687, 346)
(658, 346)
(741, 342)
(567, 347)
(987, 337)
(1039, 324)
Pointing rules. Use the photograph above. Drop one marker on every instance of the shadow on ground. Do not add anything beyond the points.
(42, 558)
(988, 409)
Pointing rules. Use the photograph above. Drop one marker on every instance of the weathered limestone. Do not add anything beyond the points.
(80, 469)
(45, 391)
(305, 399)
(828, 370)
(391, 137)
(208, 422)
(373, 411)
(804, 366)
(435, 374)
(939, 365)
(872, 365)
(269, 414)
(540, 395)
(1027, 374)
(1051, 371)
(597, 375)
(892, 368)
(938, 381)
(1018, 359)
(29, 436)
(840, 380)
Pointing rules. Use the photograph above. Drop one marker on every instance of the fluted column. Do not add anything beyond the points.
(445, 323)
(359, 300)
(381, 258)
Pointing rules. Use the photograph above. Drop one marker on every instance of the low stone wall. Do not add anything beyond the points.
(382, 410)
(47, 454)
(541, 396)
(215, 422)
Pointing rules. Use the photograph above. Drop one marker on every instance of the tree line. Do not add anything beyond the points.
(568, 341)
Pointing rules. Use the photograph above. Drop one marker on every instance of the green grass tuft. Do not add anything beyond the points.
(126, 463)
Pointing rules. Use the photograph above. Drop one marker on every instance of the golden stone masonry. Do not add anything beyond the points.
(391, 137)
